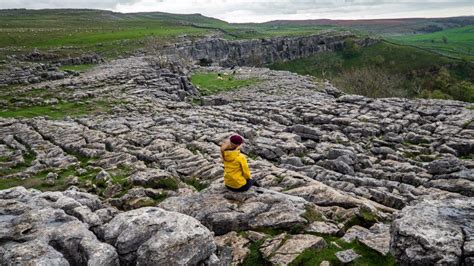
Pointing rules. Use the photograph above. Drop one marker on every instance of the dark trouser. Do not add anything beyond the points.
(243, 188)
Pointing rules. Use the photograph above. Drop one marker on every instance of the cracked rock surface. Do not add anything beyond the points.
(435, 232)
(327, 162)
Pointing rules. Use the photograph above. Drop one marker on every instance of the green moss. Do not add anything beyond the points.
(28, 159)
(467, 157)
(58, 111)
(37, 181)
(255, 257)
(471, 107)
(312, 215)
(120, 175)
(166, 183)
(78, 68)
(368, 216)
(160, 197)
(279, 178)
(198, 185)
(364, 221)
(211, 83)
(269, 231)
(252, 156)
(193, 148)
(196, 101)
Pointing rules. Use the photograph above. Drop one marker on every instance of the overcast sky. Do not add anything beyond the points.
(265, 10)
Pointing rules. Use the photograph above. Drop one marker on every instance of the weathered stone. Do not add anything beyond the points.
(151, 236)
(43, 228)
(229, 211)
(444, 166)
(322, 228)
(238, 244)
(347, 256)
(294, 246)
(433, 231)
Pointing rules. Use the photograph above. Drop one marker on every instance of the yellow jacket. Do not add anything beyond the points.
(236, 169)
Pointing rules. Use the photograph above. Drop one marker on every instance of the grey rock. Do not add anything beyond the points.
(153, 236)
(294, 246)
(322, 228)
(444, 166)
(433, 231)
(238, 244)
(347, 256)
(230, 211)
(43, 228)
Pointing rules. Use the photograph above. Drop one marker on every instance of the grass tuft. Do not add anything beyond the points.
(368, 256)
(196, 183)
(212, 83)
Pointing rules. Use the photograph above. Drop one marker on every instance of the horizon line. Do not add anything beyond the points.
(275, 20)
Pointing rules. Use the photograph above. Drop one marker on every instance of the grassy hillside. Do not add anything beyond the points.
(105, 32)
(387, 69)
(457, 42)
(74, 31)
(386, 27)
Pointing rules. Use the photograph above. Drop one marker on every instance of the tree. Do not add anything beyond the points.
(371, 82)
(351, 48)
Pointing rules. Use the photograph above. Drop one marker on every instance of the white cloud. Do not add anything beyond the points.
(264, 10)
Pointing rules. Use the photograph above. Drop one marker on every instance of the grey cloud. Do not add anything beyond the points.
(259, 10)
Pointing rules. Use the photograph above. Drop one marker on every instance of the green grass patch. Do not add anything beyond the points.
(211, 83)
(196, 183)
(165, 183)
(120, 175)
(312, 215)
(255, 257)
(457, 42)
(470, 107)
(28, 159)
(38, 180)
(4, 159)
(369, 256)
(58, 111)
(78, 68)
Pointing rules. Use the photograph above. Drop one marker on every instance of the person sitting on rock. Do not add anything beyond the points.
(237, 176)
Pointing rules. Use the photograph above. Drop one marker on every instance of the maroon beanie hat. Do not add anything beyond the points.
(236, 139)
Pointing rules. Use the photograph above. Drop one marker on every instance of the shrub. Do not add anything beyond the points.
(351, 49)
(370, 82)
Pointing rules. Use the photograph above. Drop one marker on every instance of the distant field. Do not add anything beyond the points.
(76, 31)
(112, 34)
(457, 42)
(256, 31)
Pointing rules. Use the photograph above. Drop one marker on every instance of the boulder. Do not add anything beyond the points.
(293, 246)
(434, 232)
(347, 256)
(42, 228)
(223, 211)
(444, 166)
(322, 228)
(238, 244)
(153, 236)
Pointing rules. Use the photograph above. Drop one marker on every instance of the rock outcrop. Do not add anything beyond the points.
(258, 52)
(433, 232)
(227, 211)
(61, 228)
(328, 163)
